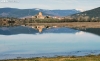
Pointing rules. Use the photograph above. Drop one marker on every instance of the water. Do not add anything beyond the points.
(27, 42)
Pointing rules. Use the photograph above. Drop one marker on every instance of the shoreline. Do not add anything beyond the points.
(74, 54)
(63, 24)
(59, 58)
(69, 24)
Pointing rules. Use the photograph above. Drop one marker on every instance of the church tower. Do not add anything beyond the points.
(40, 16)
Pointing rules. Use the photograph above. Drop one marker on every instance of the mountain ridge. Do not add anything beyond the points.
(15, 12)
(93, 13)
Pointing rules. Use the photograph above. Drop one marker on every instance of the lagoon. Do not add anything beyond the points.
(26, 42)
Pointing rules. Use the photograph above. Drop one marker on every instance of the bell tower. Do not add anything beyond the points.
(40, 16)
(40, 13)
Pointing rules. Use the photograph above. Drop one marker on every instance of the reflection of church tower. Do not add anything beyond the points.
(40, 16)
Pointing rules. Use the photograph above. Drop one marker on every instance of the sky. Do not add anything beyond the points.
(51, 4)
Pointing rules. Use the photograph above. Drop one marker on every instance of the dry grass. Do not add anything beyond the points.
(70, 24)
(86, 58)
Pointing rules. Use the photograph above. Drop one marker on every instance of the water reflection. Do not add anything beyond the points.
(17, 30)
(93, 30)
(47, 43)
(29, 30)
(17, 41)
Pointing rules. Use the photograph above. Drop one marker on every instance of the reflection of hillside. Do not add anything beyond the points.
(27, 30)
(17, 30)
(60, 30)
(93, 30)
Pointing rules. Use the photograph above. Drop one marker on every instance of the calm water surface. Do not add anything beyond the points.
(28, 42)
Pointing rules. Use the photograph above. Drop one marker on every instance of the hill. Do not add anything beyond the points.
(62, 12)
(14, 12)
(94, 13)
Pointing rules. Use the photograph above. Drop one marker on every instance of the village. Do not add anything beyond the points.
(40, 21)
(38, 18)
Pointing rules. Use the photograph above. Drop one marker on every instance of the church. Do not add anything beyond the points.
(40, 16)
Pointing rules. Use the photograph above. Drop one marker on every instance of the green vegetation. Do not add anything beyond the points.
(61, 58)
(80, 19)
(48, 20)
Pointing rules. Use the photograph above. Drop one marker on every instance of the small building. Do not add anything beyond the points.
(58, 17)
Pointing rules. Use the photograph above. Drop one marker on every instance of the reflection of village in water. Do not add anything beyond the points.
(6, 23)
(38, 27)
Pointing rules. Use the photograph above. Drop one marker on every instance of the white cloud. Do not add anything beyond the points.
(80, 33)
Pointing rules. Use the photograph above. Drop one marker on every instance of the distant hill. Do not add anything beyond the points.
(62, 12)
(14, 12)
(91, 13)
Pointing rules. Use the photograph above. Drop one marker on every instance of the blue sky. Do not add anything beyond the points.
(51, 4)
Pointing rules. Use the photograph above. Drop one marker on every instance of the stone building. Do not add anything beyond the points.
(40, 16)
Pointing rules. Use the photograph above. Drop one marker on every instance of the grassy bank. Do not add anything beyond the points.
(69, 24)
(71, 58)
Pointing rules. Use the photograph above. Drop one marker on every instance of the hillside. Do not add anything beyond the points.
(62, 12)
(14, 12)
(91, 13)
